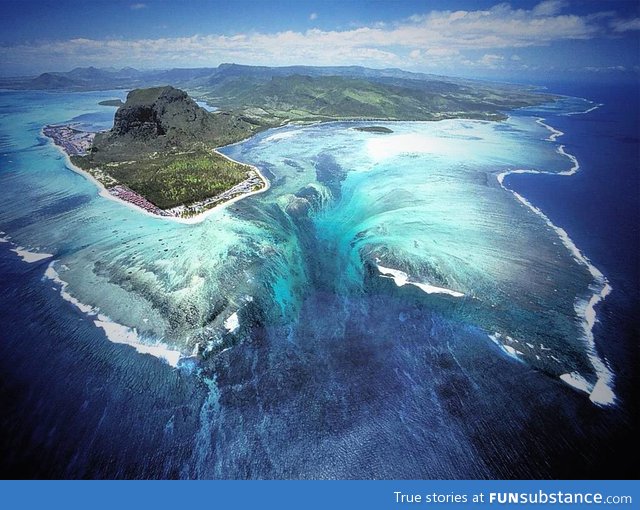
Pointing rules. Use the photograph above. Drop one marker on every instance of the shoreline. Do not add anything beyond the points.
(198, 218)
(601, 393)
(105, 192)
(115, 332)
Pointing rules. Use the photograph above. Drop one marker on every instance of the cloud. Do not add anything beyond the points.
(137, 7)
(606, 69)
(622, 25)
(442, 52)
(549, 7)
(313, 16)
(490, 60)
(435, 57)
(435, 38)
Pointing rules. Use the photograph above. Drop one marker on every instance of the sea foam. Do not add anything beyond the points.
(116, 333)
(602, 392)
(25, 255)
(507, 349)
(30, 257)
(232, 323)
(597, 105)
(577, 381)
(280, 136)
(119, 334)
(401, 278)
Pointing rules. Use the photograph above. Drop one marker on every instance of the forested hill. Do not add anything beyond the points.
(272, 95)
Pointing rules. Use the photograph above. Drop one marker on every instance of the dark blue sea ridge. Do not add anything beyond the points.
(383, 384)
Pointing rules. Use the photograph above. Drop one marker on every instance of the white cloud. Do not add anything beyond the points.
(138, 6)
(606, 69)
(434, 58)
(442, 52)
(549, 7)
(313, 16)
(435, 38)
(490, 60)
(622, 25)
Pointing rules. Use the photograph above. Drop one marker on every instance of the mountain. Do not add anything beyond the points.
(274, 96)
(270, 96)
(52, 81)
(351, 71)
(163, 118)
(162, 146)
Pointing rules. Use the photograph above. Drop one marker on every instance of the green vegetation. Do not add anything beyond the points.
(375, 129)
(161, 144)
(278, 99)
(172, 179)
(162, 147)
(270, 96)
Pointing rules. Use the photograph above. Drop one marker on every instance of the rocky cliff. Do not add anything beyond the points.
(160, 151)
(163, 119)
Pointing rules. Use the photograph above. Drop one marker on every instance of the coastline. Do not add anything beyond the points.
(601, 393)
(203, 215)
(103, 191)
(151, 210)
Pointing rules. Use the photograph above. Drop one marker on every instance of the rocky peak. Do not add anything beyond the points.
(163, 119)
(159, 111)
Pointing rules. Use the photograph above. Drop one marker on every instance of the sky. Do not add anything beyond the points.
(584, 39)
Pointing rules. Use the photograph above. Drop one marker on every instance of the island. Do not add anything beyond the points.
(161, 153)
(375, 129)
(111, 102)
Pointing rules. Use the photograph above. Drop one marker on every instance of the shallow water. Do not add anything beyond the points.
(305, 317)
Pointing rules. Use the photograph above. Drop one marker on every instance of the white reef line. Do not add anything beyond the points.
(602, 392)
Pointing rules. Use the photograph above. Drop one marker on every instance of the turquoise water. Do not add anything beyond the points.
(385, 294)
(423, 200)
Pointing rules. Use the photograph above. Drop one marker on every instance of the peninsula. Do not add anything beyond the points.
(161, 154)
(111, 102)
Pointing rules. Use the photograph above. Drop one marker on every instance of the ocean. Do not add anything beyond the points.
(389, 308)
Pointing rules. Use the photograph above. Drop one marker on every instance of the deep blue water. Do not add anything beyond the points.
(381, 384)
(600, 207)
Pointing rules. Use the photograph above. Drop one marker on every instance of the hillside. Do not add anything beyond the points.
(162, 119)
(301, 97)
(162, 146)
(270, 95)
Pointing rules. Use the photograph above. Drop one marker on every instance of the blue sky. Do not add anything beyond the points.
(518, 39)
